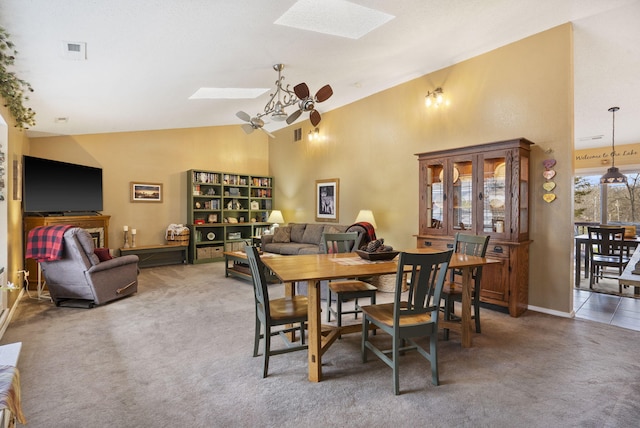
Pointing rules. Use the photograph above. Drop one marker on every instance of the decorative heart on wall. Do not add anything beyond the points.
(549, 186)
(549, 163)
(549, 197)
(549, 174)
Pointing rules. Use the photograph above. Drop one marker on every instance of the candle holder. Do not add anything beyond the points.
(133, 239)
(126, 240)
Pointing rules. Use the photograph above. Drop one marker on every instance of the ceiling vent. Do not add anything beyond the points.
(76, 51)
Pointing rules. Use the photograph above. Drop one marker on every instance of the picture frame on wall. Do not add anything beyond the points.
(327, 199)
(145, 192)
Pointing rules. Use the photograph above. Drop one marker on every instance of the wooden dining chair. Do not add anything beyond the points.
(272, 316)
(606, 250)
(472, 245)
(415, 317)
(346, 289)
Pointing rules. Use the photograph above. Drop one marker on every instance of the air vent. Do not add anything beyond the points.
(76, 51)
(297, 135)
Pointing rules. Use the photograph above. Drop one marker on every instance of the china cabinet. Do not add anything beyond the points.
(481, 190)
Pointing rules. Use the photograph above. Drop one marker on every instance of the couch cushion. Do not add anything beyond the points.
(313, 234)
(289, 248)
(282, 234)
(297, 231)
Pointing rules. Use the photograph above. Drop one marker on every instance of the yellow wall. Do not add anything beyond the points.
(11, 239)
(370, 145)
(599, 159)
(156, 157)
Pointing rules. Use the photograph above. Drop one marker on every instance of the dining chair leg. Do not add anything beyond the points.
(256, 339)
(476, 308)
(433, 359)
(329, 304)
(396, 356)
(339, 313)
(267, 348)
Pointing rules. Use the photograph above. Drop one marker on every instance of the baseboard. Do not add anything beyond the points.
(571, 314)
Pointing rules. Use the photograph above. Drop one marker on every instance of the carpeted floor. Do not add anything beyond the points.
(178, 354)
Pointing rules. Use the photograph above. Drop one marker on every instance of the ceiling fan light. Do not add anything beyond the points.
(279, 116)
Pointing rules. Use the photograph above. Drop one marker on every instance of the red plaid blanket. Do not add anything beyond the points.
(371, 232)
(44, 243)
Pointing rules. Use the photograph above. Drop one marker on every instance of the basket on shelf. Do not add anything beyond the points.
(177, 235)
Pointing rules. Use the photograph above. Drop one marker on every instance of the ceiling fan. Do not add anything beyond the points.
(252, 124)
(284, 97)
(307, 103)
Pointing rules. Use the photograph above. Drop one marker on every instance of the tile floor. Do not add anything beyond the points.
(607, 308)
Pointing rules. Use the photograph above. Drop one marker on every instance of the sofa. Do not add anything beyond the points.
(303, 238)
(306, 238)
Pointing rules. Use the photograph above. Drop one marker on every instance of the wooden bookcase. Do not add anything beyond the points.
(224, 211)
(481, 190)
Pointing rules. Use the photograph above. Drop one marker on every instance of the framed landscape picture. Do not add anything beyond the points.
(146, 192)
(327, 199)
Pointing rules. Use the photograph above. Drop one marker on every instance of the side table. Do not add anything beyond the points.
(158, 255)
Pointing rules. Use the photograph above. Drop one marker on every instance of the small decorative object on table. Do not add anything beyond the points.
(376, 250)
(177, 234)
(126, 237)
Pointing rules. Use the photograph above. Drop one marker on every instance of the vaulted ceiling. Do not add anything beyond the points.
(145, 58)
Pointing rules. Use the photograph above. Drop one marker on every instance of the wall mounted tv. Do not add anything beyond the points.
(59, 188)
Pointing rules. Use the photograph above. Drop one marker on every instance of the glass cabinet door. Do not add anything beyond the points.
(523, 229)
(462, 195)
(432, 196)
(493, 199)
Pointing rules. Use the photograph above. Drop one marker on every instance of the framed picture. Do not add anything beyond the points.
(146, 192)
(327, 199)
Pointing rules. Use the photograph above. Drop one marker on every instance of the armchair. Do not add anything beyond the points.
(80, 275)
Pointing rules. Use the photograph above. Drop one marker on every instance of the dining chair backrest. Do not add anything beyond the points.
(606, 241)
(471, 245)
(341, 242)
(427, 275)
(259, 280)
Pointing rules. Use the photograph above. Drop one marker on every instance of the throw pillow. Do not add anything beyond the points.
(283, 234)
(103, 254)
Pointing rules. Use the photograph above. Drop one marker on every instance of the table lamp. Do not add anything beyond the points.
(367, 217)
(275, 218)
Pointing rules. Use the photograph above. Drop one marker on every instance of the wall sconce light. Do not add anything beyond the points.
(314, 135)
(435, 98)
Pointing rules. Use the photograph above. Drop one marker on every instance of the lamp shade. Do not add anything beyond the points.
(275, 217)
(367, 217)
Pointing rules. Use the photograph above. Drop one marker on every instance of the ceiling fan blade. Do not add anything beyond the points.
(324, 93)
(293, 116)
(315, 117)
(301, 90)
(267, 132)
(244, 116)
(247, 128)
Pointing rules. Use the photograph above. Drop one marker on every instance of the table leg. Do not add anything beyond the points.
(467, 284)
(290, 291)
(315, 336)
(577, 262)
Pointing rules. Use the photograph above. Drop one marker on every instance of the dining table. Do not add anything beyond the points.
(581, 252)
(314, 268)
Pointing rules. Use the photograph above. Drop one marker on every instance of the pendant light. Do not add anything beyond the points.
(613, 175)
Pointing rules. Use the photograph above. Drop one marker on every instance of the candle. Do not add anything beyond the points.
(133, 231)
(126, 228)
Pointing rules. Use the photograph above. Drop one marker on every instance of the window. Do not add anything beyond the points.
(607, 204)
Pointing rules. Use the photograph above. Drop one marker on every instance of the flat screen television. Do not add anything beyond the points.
(53, 187)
